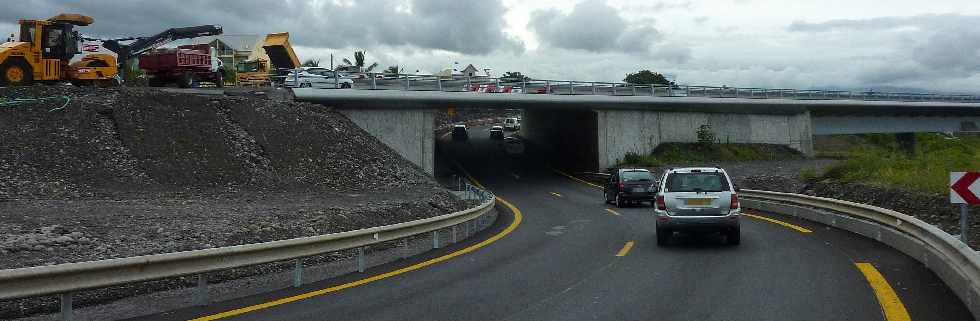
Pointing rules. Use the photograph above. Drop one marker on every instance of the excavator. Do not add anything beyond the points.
(45, 48)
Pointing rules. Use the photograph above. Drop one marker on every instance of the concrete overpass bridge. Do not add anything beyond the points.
(598, 130)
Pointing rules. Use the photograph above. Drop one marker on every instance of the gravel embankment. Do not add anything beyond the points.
(134, 171)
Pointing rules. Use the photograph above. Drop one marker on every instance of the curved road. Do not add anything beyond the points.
(562, 263)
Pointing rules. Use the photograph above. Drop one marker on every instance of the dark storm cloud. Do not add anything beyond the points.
(593, 26)
(926, 21)
(469, 27)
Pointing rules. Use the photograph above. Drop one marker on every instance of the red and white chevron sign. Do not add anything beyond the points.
(964, 187)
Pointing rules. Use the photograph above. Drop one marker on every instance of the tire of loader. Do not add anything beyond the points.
(16, 72)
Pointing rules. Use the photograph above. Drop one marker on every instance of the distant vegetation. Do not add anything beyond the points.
(876, 159)
(646, 77)
(684, 153)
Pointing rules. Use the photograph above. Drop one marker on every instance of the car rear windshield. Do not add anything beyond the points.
(633, 176)
(697, 182)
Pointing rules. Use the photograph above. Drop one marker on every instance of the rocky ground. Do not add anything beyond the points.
(90, 174)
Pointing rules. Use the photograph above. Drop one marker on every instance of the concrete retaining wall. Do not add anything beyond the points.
(408, 131)
(623, 131)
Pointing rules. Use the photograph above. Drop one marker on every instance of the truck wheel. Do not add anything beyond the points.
(219, 79)
(186, 80)
(344, 85)
(16, 72)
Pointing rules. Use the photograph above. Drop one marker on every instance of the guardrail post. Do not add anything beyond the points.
(736, 92)
(407, 85)
(571, 87)
(374, 81)
(613, 89)
(435, 239)
(201, 295)
(360, 259)
(547, 87)
(297, 272)
(439, 83)
(296, 77)
(336, 79)
(524, 86)
(466, 228)
(405, 249)
(66, 311)
(964, 223)
(633, 87)
(455, 239)
(593, 88)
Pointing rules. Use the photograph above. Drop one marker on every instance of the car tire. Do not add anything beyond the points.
(345, 85)
(619, 202)
(734, 237)
(605, 197)
(663, 236)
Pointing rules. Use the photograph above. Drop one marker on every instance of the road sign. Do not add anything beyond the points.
(964, 187)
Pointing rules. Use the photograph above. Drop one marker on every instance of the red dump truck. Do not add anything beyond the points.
(185, 65)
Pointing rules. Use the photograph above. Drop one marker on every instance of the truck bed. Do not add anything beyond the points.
(176, 60)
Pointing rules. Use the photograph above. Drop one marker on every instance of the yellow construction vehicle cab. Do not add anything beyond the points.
(44, 49)
(257, 71)
(253, 73)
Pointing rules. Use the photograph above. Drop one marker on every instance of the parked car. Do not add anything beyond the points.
(512, 124)
(459, 133)
(630, 186)
(318, 77)
(497, 132)
(697, 199)
(513, 145)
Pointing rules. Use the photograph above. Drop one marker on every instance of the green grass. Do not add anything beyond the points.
(879, 161)
(672, 153)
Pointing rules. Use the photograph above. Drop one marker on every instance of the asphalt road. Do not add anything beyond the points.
(561, 263)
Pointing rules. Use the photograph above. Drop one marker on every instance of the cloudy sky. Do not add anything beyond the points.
(933, 45)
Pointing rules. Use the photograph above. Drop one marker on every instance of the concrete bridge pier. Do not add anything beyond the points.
(408, 131)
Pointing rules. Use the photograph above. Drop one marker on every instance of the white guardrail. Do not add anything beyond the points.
(953, 261)
(64, 279)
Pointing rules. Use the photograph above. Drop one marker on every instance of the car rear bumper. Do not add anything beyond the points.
(698, 223)
(638, 196)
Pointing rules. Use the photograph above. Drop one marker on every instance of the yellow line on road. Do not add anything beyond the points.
(626, 249)
(555, 194)
(576, 179)
(518, 217)
(891, 305)
(612, 212)
(775, 221)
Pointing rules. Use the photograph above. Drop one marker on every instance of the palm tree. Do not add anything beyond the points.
(358, 63)
(311, 63)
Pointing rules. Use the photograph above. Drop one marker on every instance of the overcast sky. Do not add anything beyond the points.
(933, 45)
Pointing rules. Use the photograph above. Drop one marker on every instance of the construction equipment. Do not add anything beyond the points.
(256, 72)
(184, 65)
(45, 48)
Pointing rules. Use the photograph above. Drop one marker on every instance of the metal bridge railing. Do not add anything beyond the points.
(457, 83)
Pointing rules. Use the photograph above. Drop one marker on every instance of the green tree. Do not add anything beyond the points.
(646, 77)
(358, 64)
(392, 70)
(311, 63)
(514, 76)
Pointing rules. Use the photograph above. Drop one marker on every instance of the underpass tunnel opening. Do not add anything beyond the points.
(549, 138)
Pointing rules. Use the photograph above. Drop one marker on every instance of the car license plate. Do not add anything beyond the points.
(639, 190)
(698, 201)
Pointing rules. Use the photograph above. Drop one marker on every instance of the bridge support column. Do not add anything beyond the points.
(638, 131)
(408, 131)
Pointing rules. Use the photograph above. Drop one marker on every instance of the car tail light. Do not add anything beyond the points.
(661, 203)
(734, 204)
(622, 187)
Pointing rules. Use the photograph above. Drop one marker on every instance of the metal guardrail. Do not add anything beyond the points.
(456, 83)
(64, 279)
(953, 261)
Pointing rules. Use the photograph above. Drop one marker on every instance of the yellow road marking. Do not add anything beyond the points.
(775, 221)
(612, 212)
(576, 179)
(518, 217)
(891, 305)
(626, 249)
(555, 194)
